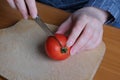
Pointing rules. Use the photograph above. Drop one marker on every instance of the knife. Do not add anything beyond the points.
(39, 21)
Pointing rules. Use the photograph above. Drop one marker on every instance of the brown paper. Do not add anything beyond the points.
(22, 56)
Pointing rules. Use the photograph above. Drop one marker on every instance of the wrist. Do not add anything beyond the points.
(101, 15)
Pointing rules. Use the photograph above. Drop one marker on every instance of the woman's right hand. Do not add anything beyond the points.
(24, 6)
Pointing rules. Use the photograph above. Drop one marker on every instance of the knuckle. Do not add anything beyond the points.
(79, 16)
(23, 10)
(84, 15)
(95, 20)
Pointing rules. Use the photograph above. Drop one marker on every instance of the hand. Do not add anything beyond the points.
(87, 29)
(22, 6)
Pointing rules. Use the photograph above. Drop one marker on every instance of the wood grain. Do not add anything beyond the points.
(110, 67)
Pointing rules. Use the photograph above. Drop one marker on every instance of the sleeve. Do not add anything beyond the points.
(112, 6)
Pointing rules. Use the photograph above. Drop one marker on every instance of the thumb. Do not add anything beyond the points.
(65, 26)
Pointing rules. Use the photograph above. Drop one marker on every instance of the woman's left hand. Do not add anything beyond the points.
(87, 29)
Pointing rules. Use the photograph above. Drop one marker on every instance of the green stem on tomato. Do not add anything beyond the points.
(63, 48)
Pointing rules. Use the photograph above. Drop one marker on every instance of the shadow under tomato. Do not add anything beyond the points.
(41, 50)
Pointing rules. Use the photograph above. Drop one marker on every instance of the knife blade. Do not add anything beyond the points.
(39, 21)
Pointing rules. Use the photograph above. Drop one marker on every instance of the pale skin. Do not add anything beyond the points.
(86, 23)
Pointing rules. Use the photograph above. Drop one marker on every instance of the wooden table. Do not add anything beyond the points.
(110, 66)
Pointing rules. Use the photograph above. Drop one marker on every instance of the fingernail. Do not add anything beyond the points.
(72, 52)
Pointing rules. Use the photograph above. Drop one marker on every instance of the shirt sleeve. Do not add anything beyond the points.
(112, 6)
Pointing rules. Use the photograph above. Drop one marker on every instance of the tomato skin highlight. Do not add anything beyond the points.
(56, 48)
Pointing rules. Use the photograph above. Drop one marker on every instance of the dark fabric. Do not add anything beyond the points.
(112, 6)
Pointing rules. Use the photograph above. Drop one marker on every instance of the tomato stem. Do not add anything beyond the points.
(63, 48)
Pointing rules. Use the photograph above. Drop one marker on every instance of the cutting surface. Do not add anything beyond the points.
(22, 56)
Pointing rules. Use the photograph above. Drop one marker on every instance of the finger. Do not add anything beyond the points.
(64, 27)
(82, 40)
(22, 8)
(78, 28)
(32, 8)
(95, 40)
(11, 3)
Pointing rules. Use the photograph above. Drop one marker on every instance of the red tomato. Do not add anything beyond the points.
(56, 47)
